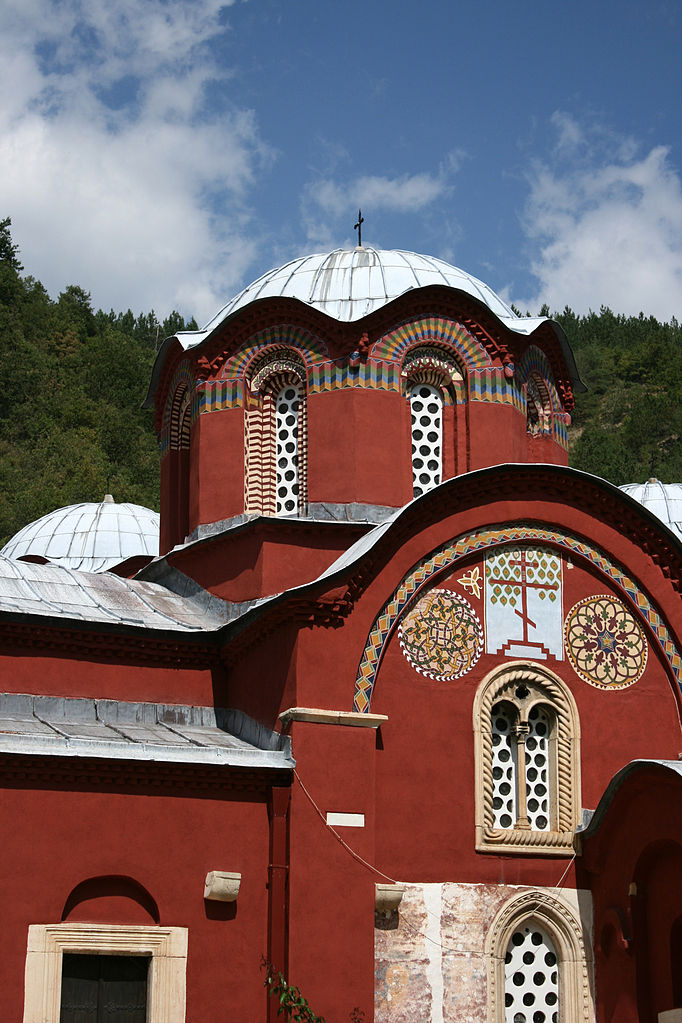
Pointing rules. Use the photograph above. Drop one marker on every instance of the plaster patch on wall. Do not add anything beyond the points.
(402, 989)
(433, 905)
(431, 968)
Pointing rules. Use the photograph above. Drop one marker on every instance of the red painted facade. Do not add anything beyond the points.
(117, 843)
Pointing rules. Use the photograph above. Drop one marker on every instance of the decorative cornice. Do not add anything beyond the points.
(21, 769)
(122, 644)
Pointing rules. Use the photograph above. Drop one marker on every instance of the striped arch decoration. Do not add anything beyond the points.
(182, 376)
(469, 543)
(393, 346)
(228, 391)
(434, 366)
(310, 348)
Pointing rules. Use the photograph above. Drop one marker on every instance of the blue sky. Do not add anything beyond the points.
(163, 154)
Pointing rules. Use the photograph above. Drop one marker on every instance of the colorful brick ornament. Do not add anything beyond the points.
(605, 645)
(441, 635)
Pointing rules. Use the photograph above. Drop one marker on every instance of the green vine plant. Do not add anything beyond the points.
(292, 1005)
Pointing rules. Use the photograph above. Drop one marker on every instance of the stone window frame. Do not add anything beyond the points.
(543, 687)
(574, 956)
(266, 378)
(47, 943)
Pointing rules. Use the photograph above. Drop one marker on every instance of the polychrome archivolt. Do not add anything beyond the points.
(604, 643)
(467, 544)
(441, 635)
(393, 346)
(181, 377)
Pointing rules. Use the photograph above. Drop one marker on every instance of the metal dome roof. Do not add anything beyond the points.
(90, 537)
(348, 284)
(664, 500)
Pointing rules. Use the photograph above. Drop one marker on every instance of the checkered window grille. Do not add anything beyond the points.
(426, 410)
(531, 977)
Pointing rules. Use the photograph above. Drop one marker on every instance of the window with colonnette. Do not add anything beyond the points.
(527, 759)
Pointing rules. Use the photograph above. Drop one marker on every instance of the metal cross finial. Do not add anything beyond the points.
(358, 227)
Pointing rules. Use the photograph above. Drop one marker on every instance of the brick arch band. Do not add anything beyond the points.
(449, 554)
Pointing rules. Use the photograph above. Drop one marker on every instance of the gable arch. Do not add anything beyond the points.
(446, 557)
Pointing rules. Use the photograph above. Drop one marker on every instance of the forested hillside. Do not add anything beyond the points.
(71, 384)
(72, 380)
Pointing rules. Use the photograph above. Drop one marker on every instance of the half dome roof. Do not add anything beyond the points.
(90, 537)
(664, 500)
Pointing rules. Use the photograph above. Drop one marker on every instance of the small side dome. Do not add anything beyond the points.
(664, 500)
(88, 537)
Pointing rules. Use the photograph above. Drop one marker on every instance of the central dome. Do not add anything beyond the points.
(348, 284)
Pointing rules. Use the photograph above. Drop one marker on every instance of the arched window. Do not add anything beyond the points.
(426, 413)
(180, 421)
(275, 436)
(531, 976)
(527, 739)
(538, 965)
(538, 406)
(287, 417)
(433, 380)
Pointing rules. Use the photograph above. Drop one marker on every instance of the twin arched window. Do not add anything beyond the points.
(527, 738)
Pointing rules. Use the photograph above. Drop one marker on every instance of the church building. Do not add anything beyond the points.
(396, 708)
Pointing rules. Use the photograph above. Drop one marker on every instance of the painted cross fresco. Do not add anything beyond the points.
(523, 603)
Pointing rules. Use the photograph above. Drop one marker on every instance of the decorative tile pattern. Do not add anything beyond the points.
(523, 603)
(469, 543)
(331, 376)
(490, 384)
(605, 644)
(392, 347)
(311, 348)
(441, 636)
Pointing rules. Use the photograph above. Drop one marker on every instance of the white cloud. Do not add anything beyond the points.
(142, 200)
(608, 223)
(327, 200)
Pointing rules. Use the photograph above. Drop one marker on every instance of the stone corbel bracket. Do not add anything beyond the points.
(387, 897)
(222, 886)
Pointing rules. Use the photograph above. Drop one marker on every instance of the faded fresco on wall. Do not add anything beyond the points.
(429, 956)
